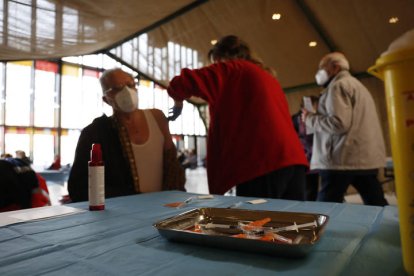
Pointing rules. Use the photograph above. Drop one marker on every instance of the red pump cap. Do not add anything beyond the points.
(96, 155)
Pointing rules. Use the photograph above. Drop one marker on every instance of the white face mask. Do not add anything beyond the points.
(127, 99)
(321, 77)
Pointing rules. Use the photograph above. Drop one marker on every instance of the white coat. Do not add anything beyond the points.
(347, 131)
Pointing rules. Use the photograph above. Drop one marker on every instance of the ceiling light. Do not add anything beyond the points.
(214, 41)
(313, 44)
(276, 16)
(393, 20)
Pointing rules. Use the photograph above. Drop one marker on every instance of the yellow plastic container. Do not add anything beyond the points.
(397, 71)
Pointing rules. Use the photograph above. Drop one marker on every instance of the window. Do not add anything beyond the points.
(43, 111)
(2, 92)
(69, 140)
(43, 148)
(18, 93)
(45, 94)
(71, 97)
(17, 139)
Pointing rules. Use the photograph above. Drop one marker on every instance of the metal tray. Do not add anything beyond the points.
(181, 228)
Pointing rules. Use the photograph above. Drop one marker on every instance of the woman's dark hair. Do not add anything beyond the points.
(232, 47)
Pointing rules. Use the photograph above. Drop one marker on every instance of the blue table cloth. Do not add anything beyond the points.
(358, 240)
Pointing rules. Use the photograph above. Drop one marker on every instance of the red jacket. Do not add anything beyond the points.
(251, 131)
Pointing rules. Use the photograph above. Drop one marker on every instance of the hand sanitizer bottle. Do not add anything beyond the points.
(96, 179)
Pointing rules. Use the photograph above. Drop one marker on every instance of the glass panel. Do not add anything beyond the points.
(109, 62)
(2, 93)
(92, 97)
(71, 97)
(165, 101)
(68, 144)
(188, 119)
(17, 141)
(158, 98)
(171, 58)
(44, 102)
(176, 127)
(145, 95)
(143, 52)
(2, 150)
(157, 63)
(76, 60)
(189, 58)
(18, 93)
(183, 55)
(92, 60)
(81, 97)
(199, 128)
(43, 150)
(96, 61)
(201, 149)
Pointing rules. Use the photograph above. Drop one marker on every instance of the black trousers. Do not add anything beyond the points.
(312, 186)
(285, 183)
(335, 183)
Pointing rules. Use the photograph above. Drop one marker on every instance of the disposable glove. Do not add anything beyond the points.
(175, 111)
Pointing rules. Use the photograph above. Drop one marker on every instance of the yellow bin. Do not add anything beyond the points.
(396, 69)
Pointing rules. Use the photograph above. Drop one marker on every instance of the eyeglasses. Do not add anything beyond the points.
(118, 88)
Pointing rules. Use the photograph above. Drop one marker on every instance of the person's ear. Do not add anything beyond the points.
(104, 99)
(336, 68)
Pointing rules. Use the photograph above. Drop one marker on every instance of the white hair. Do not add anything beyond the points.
(336, 58)
(106, 75)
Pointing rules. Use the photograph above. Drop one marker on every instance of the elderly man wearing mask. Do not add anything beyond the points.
(137, 147)
(348, 145)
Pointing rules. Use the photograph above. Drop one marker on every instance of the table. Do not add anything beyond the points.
(358, 240)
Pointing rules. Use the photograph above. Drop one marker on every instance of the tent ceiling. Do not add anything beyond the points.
(33, 29)
(358, 28)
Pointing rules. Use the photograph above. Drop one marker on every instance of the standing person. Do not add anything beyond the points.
(306, 139)
(251, 140)
(348, 146)
(137, 147)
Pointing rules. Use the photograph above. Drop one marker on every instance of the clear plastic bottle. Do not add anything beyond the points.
(96, 179)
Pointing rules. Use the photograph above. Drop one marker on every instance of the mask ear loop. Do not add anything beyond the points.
(106, 91)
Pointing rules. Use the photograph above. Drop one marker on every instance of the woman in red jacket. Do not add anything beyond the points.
(251, 140)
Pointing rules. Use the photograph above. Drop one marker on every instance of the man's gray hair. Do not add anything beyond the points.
(104, 78)
(336, 58)
(106, 75)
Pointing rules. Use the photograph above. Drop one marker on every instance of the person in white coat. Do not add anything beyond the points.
(348, 145)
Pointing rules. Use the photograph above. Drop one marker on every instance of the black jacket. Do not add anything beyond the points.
(118, 178)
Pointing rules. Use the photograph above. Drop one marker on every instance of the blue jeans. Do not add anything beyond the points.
(334, 184)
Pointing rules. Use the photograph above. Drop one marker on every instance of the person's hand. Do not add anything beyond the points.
(175, 111)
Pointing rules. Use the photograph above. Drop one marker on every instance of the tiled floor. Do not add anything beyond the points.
(197, 183)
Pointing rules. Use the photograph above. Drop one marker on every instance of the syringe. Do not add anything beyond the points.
(294, 227)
